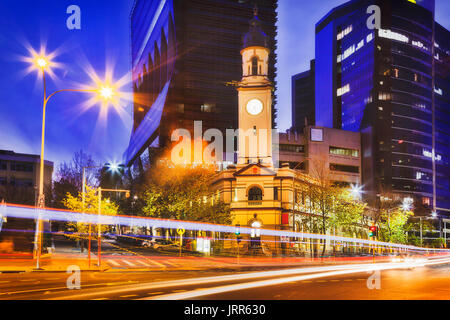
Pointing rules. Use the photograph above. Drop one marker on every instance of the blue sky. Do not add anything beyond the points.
(104, 39)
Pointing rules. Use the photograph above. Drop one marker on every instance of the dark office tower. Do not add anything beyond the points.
(185, 57)
(303, 111)
(385, 83)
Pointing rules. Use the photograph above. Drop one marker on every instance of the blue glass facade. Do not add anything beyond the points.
(385, 83)
(442, 117)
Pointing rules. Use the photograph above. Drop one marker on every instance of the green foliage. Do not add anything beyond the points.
(347, 212)
(394, 225)
(183, 194)
(91, 206)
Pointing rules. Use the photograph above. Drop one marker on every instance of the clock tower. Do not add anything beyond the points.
(255, 98)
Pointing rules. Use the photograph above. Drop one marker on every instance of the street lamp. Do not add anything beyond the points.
(407, 204)
(112, 167)
(356, 191)
(41, 64)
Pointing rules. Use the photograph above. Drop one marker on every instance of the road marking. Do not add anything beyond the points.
(335, 280)
(4, 281)
(113, 262)
(143, 263)
(157, 263)
(171, 263)
(321, 281)
(101, 299)
(28, 280)
(153, 293)
(51, 279)
(128, 263)
(129, 296)
(308, 281)
(179, 290)
(65, 288)
(348, 280)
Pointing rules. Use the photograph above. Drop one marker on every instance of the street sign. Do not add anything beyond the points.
(180, 231)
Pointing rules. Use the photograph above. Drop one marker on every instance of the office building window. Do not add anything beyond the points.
(21, 167)
(344, 168)
(344, 152)
(275, 193)
(292, 148)
(2, 181)
(24, 183)
(3, 165)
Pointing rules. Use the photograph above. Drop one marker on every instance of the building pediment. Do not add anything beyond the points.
(255, 169)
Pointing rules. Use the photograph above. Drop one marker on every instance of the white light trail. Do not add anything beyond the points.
(69, 216)
(271, 282)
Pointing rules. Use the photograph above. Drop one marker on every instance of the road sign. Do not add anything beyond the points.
(180, 231)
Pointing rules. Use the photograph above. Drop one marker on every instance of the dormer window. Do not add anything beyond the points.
(255, 66)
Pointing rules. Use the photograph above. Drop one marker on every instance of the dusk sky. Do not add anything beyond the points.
(104, 40)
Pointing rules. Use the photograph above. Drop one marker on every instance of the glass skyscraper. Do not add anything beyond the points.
(390, 83)
(185, 57)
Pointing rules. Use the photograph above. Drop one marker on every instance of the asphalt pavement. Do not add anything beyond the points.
(342, 282)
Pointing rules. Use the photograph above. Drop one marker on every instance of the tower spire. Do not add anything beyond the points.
(255, 9)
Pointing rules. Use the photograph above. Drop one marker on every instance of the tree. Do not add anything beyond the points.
(393, 225)
(91, 206)
(70, 176)
(348, 213)
(182, 193)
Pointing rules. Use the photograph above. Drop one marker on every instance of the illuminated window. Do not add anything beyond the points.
(343, 90)
(388, 34)
(344, 32)
(344, 152)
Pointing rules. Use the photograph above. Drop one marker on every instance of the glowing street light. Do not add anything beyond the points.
(434, 214)
(356, 191)
(407, 204)
(106, 92)
(43, 63)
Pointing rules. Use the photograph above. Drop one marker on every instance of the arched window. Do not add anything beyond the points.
(255, 66)
(255, 194)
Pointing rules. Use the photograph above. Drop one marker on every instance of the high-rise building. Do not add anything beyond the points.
(303, 99)
(185, 56)
(391, 83)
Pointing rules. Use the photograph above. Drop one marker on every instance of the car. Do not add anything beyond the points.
(162, 244)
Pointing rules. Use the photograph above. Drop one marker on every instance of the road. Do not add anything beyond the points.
(397, 281)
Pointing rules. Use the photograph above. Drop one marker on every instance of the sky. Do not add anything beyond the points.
(103, 43)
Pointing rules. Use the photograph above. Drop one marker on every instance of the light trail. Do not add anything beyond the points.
(354, 268)
(265, 283)
(70, 216)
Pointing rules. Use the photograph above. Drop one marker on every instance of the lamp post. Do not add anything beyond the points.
(41, 64)
(99, 211)
(83, 197)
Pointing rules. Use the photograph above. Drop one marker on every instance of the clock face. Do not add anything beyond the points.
(254, 107)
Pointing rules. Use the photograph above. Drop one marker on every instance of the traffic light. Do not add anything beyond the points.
(237, 232)
(373, 231)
